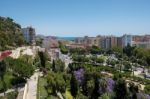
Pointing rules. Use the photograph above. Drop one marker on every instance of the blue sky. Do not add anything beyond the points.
(80, 17)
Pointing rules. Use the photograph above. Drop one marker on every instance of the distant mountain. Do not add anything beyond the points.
(39, 36)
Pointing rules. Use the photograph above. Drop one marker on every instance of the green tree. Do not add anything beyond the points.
(128, 50)
(148, 59)
(95, 50)
(74, 86)
(147, 89)
(63, 48)
(42, 59)
(121, 89)
(59, 66)
(53, 66)
(127, 65)
(100, 60)
(102, 85)
(106, 96)
(60, 83)
(96, 93)
(55, 83)
(2, 73)
(133, 90)
(51, 83)
(90, 87)
(10, 34)
(22, 69)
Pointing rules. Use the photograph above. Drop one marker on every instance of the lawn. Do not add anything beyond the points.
(42, 93)
(68, 94)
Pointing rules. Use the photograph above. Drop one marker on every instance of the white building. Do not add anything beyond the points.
(126, 39)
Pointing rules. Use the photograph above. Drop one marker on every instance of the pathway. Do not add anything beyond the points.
(32, 86)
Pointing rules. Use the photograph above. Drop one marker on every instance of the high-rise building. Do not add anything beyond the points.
(126, 39)
(119, 42)
(29, 35)
(108, 42)
(88, 41)
(113, 41)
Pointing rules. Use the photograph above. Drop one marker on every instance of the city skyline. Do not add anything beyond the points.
(80, 18)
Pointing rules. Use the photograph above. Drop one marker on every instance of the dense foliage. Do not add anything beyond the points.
(14, 72)
(63, 48)
(10, 34)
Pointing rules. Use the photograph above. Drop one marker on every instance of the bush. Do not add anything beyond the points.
(12, 95)
(18, 80)
(100, 60)
(147, 89)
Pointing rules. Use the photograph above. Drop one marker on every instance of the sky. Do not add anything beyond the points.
(73, 18)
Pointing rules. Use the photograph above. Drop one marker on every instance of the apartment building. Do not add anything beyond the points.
(88, 41)
(142, 41)
(29, 35)
(112, 41)
(141, 44)
(108, 42)
(126, 39)
(119, 42)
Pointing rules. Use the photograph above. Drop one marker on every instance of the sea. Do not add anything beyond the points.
(66, 38)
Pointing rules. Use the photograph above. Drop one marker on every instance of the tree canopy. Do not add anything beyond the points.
(10, 33)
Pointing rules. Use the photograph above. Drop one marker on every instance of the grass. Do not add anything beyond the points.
(42, 93)
(68, 94)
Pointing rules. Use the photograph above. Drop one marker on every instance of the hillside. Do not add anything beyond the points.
(10, 34)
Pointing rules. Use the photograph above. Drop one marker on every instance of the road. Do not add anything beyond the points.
(32, 86)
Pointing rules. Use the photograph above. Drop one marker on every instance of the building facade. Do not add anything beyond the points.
(88, 41)
(142, 41)
(126, 39)
(107, 42)
(29, 35)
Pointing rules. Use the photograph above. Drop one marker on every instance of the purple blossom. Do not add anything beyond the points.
(110, 84)
(143, 96)
(79, 74)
